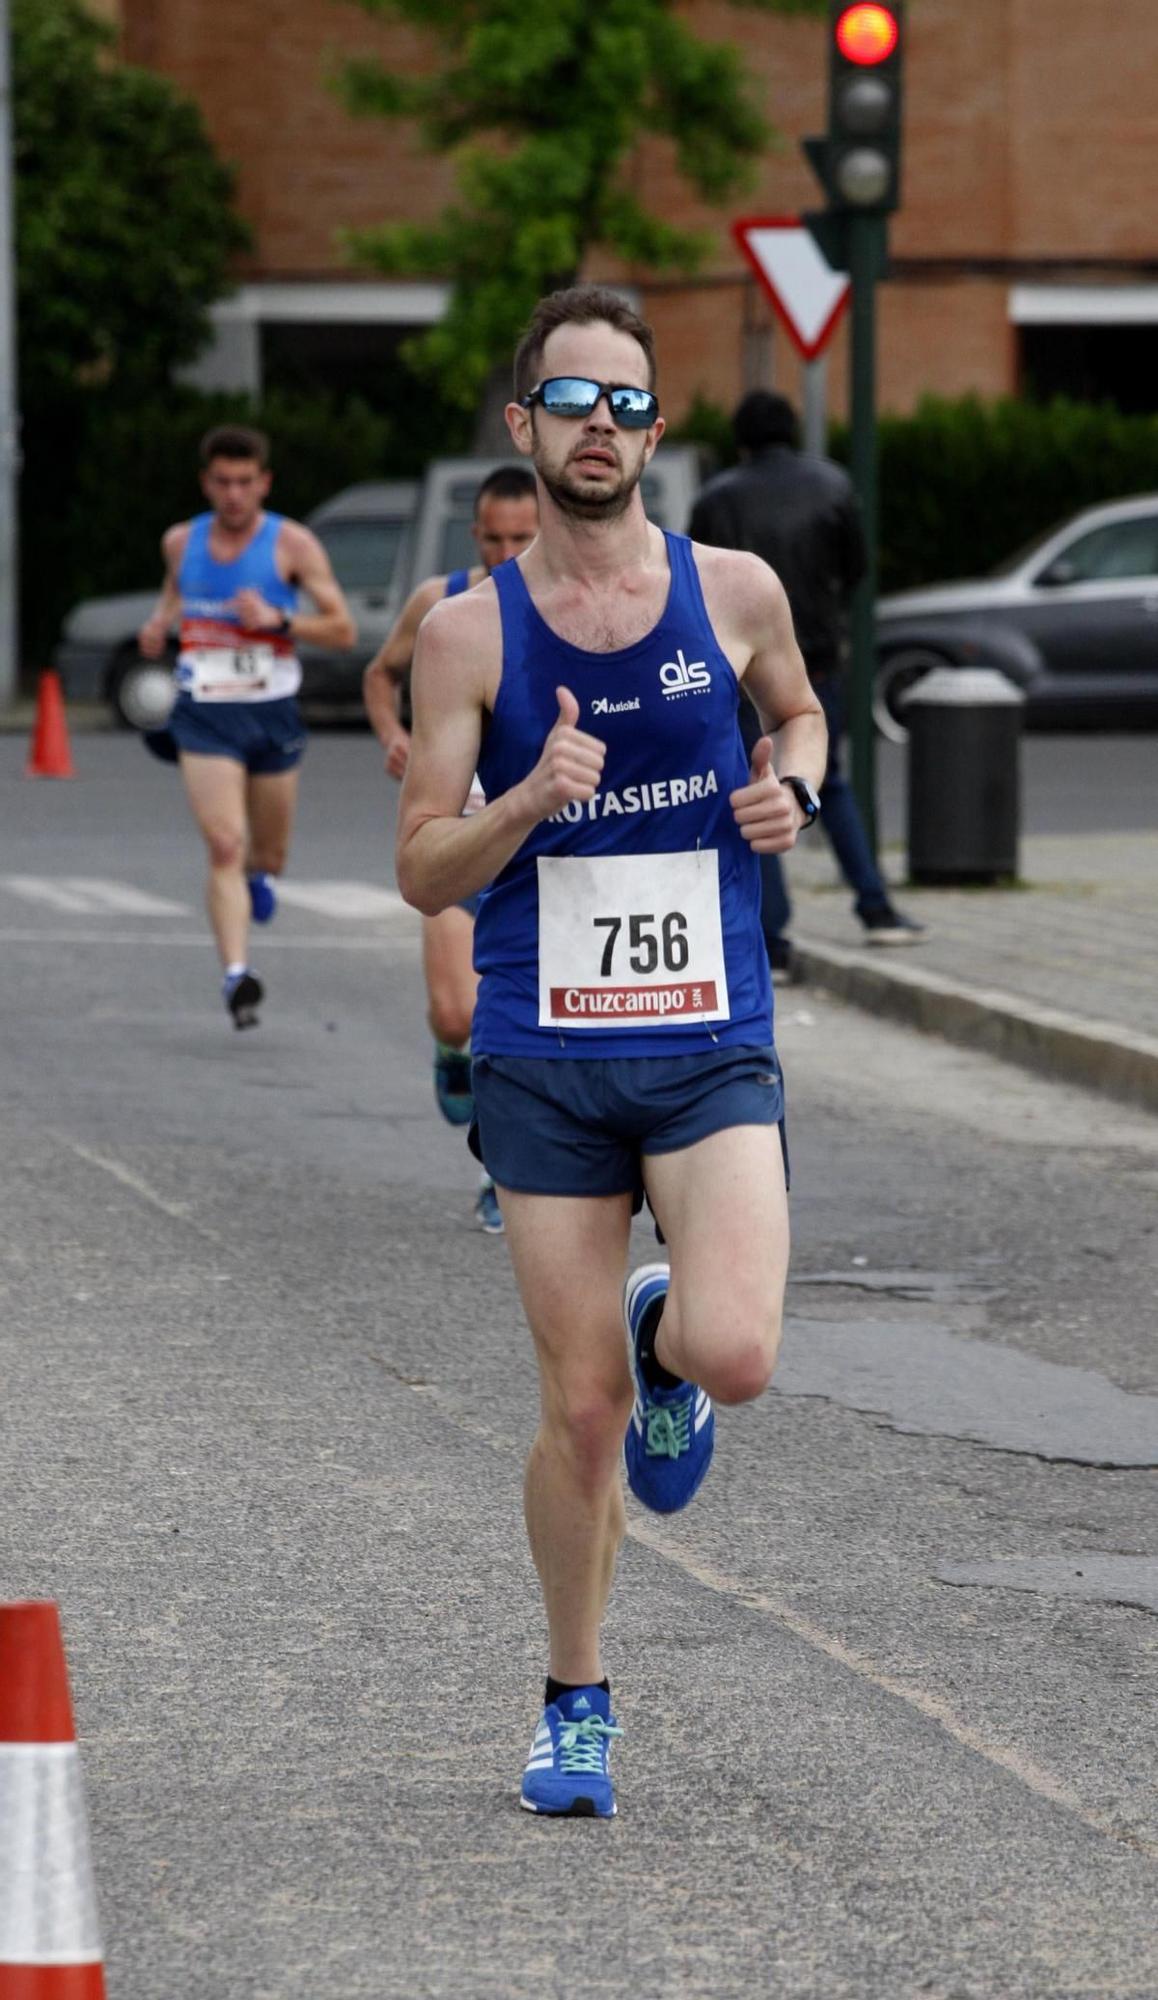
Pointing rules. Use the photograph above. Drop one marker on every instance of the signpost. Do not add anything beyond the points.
(806, 294)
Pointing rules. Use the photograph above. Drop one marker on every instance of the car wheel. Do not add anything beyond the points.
(897, 673)
(140, 691)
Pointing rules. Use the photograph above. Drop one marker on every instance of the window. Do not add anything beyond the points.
(364, 553)
(1121, 549)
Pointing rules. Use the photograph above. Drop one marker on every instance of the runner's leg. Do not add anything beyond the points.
(215, 788)
(723, 1209)
(451, 980)
(569, 1256)
(271, 800)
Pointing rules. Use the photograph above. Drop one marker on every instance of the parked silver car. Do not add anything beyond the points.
(366, 532)
(1072, 619)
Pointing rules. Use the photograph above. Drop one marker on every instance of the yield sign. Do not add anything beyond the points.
(807, 295)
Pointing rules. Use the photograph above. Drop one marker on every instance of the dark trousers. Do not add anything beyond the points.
(839, 817)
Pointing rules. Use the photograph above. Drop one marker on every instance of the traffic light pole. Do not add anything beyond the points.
(866, 236)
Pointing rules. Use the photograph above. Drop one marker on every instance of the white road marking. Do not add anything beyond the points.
(401, 941)
(351, 901)
(90, 896)
(93, 896)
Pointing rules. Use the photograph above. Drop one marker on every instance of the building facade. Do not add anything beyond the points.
(1025, 255)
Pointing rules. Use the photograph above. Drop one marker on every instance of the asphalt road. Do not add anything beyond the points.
(888, 1686)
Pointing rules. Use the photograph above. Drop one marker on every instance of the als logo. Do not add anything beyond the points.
(679, 677)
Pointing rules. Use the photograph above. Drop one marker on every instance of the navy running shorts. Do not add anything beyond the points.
(578, 1125)
(266, 736)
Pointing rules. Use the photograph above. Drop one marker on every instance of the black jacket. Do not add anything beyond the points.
(800, 514)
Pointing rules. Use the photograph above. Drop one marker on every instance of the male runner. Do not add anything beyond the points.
(622, 1033)
(506, 520)
(231, 579)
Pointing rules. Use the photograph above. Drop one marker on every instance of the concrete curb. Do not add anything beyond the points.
(1099, 1055)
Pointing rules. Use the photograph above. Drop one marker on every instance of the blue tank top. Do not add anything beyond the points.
(666, 707)
(457, 582)
(208, 588)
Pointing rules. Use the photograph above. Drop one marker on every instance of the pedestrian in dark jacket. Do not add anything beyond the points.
(800, 513)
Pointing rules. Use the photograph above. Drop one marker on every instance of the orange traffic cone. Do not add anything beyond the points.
(49, 1943)
(49, 755)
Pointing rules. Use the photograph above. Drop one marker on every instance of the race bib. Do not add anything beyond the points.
(631, 940)
(230, 673)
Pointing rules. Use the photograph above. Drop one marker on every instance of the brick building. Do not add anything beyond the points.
(1025, 256)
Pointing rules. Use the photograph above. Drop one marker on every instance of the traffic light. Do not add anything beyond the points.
(858, 161)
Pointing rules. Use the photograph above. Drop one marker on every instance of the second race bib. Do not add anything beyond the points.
(231, 673)
(631, 940)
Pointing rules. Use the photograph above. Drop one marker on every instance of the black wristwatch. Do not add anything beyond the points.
(286, 626)
(806, 799)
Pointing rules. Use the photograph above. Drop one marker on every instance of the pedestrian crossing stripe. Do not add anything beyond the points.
(90, 896)
(93, 896)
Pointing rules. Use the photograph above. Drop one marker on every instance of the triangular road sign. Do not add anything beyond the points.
(807, 295)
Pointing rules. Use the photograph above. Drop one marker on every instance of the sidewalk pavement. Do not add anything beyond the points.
(1059, 973)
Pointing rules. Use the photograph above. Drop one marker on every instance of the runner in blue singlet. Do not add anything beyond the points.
(506, 519)
(232, 577)
(623, 1031)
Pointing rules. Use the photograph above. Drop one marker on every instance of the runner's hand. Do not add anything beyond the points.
(398, 753)
(152, 637)
(767, 813)
(571, 764)
(255, 614)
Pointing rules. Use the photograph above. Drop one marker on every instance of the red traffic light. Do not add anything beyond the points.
(867, 33)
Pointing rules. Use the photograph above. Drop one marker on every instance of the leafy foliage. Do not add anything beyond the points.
(123, 220)
(541, 103)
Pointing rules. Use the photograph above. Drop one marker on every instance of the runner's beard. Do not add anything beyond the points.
(605, 504)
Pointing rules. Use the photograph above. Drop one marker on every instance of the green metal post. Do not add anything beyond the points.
(866, 245)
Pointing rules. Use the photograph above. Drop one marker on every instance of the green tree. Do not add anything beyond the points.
(540, 103)
(124, 223)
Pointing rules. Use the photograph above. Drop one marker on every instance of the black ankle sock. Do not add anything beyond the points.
(651, 1367)
(556, 1688)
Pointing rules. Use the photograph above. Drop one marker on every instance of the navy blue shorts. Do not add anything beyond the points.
(265, 736)
(579, 1125)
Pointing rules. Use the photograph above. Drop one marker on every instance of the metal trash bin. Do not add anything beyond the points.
(964, 775)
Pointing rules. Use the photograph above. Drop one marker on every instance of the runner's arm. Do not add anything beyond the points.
(749, 612)
(307, 564)
(441, 857)
(154, 633)
(383, 678)
(776, 679)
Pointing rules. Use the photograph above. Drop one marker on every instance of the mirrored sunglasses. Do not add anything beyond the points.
(576, 396)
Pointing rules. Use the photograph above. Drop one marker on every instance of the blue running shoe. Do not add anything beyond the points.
(567, 1772)
(243, 994)
(668, 1447)
(452, 1084)
(262, 899)
(487, 1211)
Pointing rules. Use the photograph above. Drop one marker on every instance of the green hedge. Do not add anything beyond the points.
(101, 483)
(963, 484)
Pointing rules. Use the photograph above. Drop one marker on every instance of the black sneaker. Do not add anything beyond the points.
(885, 925)
(782, 962)
(243, 994)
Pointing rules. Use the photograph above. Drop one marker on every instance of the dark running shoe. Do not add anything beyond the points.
(782, 962)
(243, 994)
(887, 926)
(452, 1084)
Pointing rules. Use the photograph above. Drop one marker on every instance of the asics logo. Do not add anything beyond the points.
(679, 677)
(605, 707)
